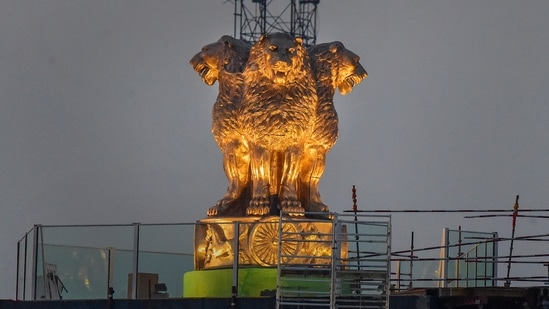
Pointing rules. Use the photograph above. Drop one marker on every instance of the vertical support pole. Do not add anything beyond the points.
(515, 212)
(279, 262)
(410, 285)
(293, 24)
(547, 264)
(485, 264)
(398, 271)
(135, 265)
(445, 259)
(110, 279)
(357, 238)
(236, 249)
(389, 250)
(235, 17)
(334, 288)
(263, 8)
(17, 271)
(34, 261)
(495, 254)
(458, 260)
(25, 268)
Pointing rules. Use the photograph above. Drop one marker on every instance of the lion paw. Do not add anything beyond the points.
(215, 211)
(259, 207)
(220, 207)
(292, 207)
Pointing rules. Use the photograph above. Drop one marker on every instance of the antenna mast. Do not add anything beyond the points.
(253, 18)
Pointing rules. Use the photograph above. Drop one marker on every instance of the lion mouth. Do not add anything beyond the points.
(353, 80)
(280, 72)
(208, 75)
(280, 77)
(346, 86)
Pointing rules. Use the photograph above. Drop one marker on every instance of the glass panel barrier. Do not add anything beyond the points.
(78, 260)
(165, 254)
(24, 266)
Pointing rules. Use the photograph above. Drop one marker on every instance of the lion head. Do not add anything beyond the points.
(341, 65)
(279, 57)
(228, 54)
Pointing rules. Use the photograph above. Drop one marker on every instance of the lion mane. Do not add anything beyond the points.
(335, 67)
(224, 61)
(279, 98)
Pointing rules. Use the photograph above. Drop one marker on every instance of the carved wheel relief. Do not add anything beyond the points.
(263, 242)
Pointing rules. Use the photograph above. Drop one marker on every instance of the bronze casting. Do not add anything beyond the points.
(274, 119)
(305, 241)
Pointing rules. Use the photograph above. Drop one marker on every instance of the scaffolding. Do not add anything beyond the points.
(354, 272)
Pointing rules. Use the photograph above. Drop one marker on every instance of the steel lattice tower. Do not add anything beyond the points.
(253, 18)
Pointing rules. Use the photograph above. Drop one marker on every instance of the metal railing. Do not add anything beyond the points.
(353, 272)
(93, 261)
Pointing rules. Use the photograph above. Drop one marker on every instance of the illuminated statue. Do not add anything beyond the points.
(274, 118)
(334, 67)
(278, 109)
(224, 61)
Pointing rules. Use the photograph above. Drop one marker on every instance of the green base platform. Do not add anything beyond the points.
(252, 282)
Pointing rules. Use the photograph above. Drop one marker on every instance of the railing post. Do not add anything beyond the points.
(35, 261)
(25, 267)
(336, 260)
(110, 289)
(235, 264)
(17, 271)
(495, 254)
(135, 266)
(445, 259)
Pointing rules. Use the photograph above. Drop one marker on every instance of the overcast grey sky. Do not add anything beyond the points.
(102, 119)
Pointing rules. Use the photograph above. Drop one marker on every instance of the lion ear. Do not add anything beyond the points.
(227, 41)
(262, 37)
(336, 46)
(299, 41)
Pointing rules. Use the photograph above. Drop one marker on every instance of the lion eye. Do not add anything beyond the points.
(273, 47)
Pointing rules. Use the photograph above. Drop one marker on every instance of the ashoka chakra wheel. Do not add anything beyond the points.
(263, 243)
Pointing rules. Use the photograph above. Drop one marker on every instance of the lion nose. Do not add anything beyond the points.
(285, 57)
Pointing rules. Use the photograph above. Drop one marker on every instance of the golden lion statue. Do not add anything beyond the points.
(224, 61)
(277, 110)
(274, 118)
(334, 67)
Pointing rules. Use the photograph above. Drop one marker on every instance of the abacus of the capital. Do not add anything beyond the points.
(274, 120)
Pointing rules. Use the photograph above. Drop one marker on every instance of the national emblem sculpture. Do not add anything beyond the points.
(274, 119)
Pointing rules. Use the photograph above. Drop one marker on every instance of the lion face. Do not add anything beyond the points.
(349, 71)
(227, 54)
(279, 56)
(339, 64)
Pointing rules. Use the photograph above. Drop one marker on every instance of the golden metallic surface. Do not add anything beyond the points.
(334, 67)
(223, 61)
(264, 240)
(304, 241)
(274, 119)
